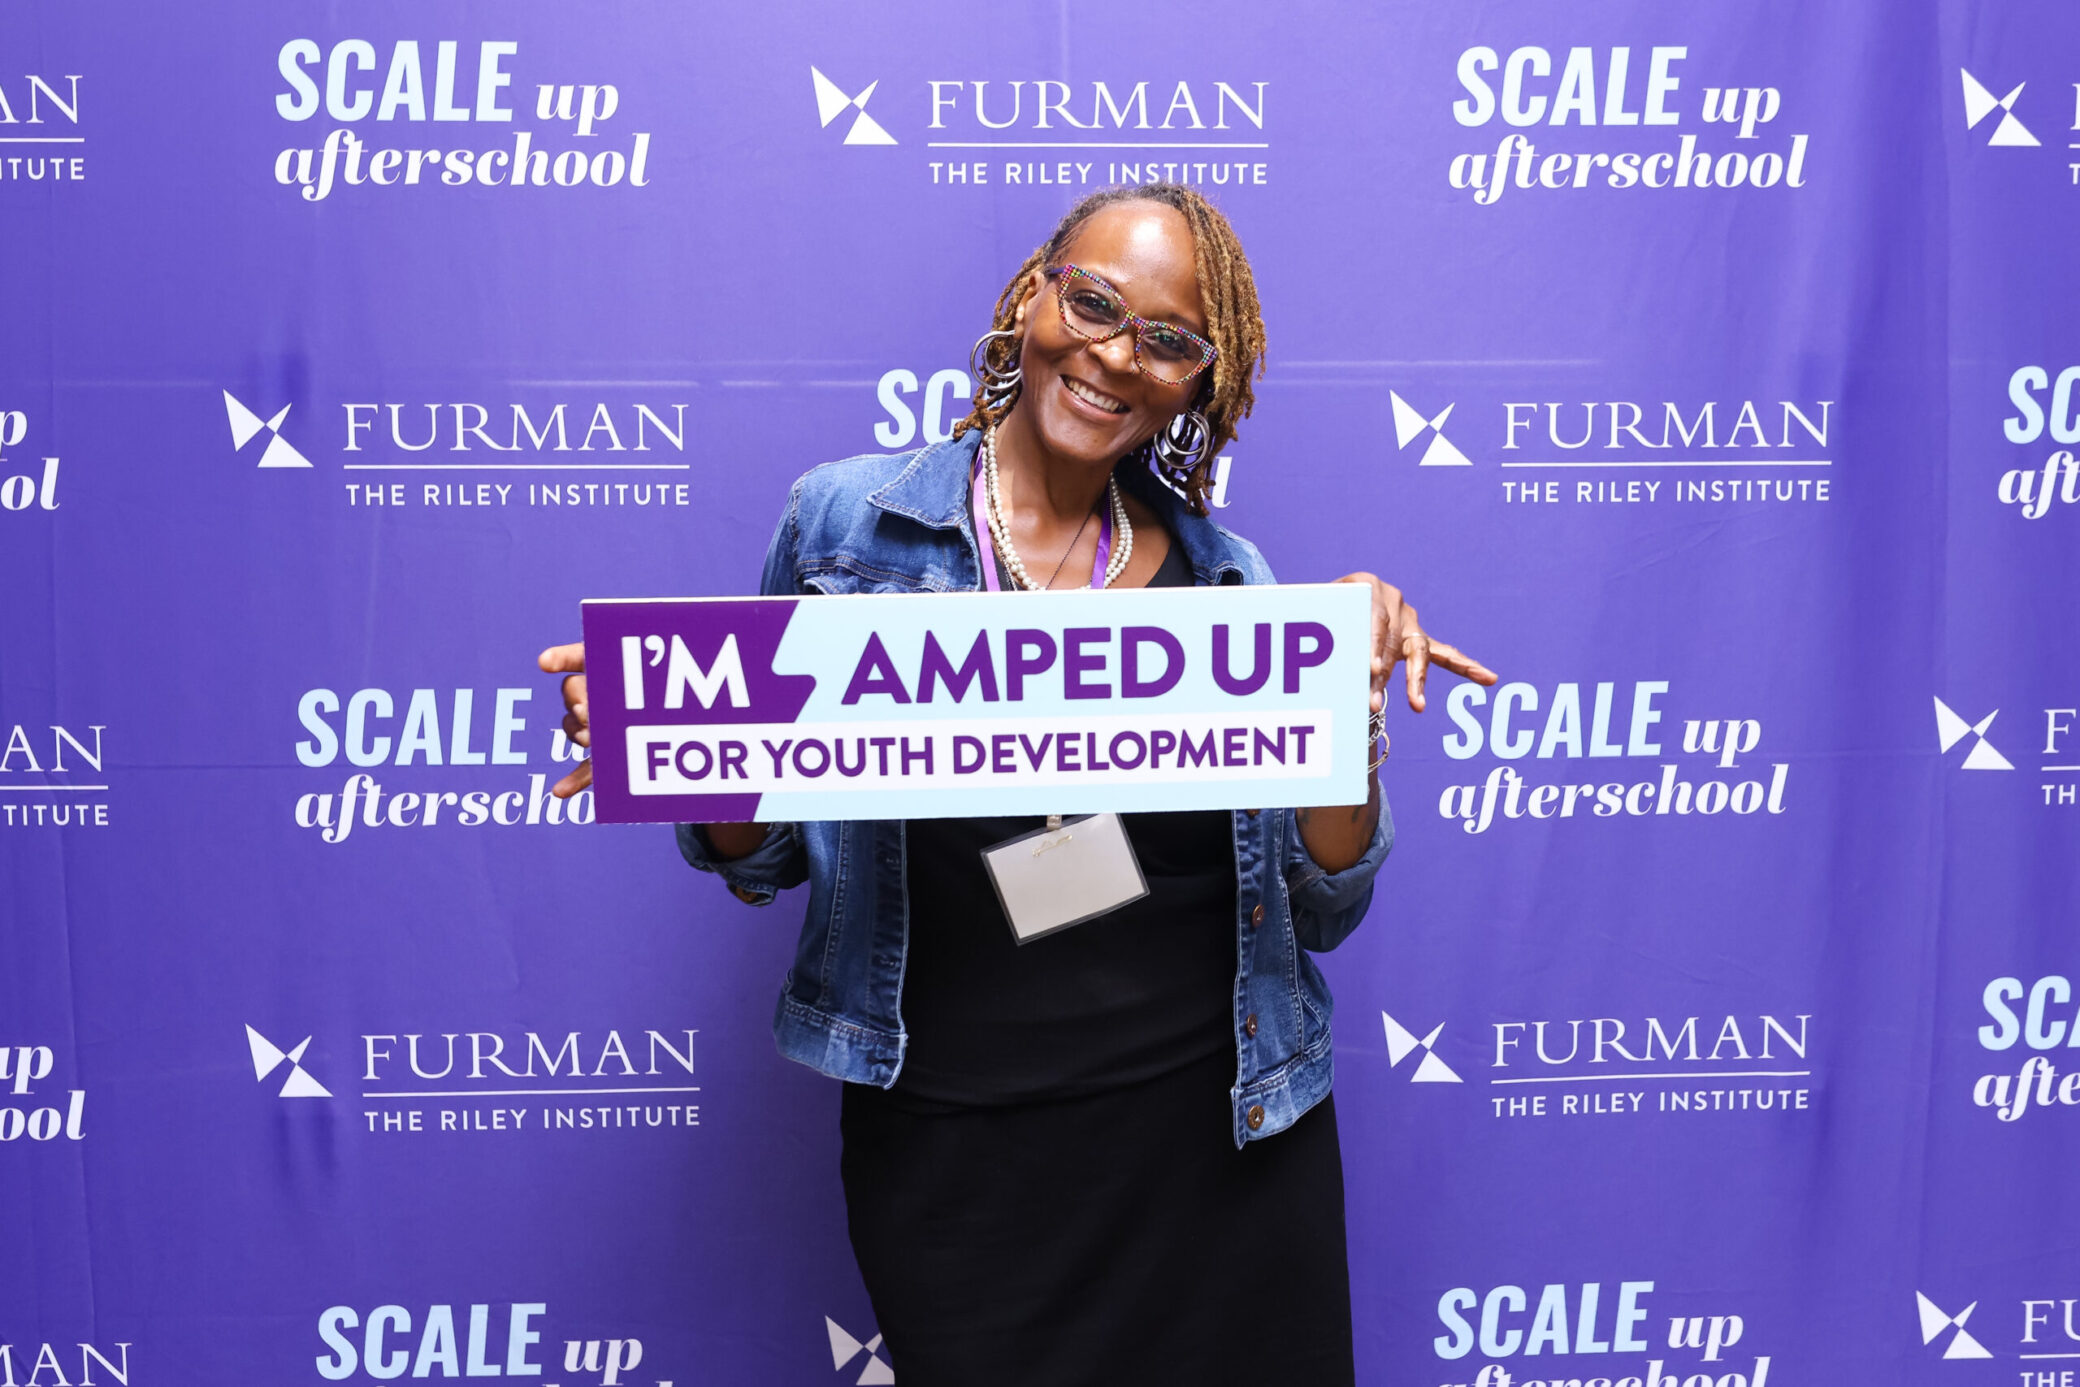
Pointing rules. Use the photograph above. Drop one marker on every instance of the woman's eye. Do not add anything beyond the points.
(1090, 304)
(1170, 345)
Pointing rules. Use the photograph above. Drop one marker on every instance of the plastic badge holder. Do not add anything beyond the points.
(1059, 876)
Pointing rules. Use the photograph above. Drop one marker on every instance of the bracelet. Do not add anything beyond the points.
(1377, 734)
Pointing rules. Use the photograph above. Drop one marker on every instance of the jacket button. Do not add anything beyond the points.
(1256, 1116)
(1249, 1027)
(1256, 917)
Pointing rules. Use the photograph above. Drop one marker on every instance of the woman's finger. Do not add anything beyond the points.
(563, 659)
(1416, 648)
(574, 692)
(1460, 663)
(577, 729)
(577, 780)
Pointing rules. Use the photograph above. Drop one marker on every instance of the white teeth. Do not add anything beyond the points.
(1084, 392)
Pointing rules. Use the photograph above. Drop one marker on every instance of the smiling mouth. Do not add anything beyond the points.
(1097, 399)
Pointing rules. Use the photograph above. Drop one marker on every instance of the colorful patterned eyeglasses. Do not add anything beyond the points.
(1094, 311)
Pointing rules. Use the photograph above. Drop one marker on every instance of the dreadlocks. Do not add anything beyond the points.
(1235, 324)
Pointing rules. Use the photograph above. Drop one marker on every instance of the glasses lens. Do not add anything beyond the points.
(1168, 354)
(1089, 308)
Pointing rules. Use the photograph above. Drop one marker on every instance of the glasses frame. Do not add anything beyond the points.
(1208, 352)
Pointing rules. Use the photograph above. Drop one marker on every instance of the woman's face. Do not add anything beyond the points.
(1085, 400)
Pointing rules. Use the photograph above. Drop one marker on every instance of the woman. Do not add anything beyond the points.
(1055, 1158)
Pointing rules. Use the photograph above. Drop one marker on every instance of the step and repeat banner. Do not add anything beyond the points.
(1710, 372)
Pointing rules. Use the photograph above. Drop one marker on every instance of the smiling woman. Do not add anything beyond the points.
(1056, 1162)
(1184, 279)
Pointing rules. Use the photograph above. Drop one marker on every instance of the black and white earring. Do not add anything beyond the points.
(1181, 444)
(999, 387)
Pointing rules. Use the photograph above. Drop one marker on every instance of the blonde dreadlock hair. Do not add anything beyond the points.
(1234, 324)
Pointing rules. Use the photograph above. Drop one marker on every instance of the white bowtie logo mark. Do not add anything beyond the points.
(1934, 1322)
(245, 424)
(1979, 103)
(845, 1348)
(268, 1057)
(1410, 424)
(831, 102)
(1952, 729)
(1401, 1042)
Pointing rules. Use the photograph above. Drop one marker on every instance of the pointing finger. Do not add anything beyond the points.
(563, 659)
(577, 780)
(1460, 663)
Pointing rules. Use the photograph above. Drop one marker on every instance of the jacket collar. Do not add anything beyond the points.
(933, 491)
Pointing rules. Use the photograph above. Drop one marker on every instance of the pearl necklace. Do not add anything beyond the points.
(1000, 532)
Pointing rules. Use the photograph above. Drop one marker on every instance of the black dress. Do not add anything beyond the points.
(1051, 1192)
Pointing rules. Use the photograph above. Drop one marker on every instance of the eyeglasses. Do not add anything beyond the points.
(1094, 311)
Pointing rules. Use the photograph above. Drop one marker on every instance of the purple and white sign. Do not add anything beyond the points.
(937, 705)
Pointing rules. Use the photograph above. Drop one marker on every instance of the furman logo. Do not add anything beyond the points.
(1208, 133)
(1979, 103)
(46, 1359)
(831, 102)
(268, 1057)
(246, 424)
(72, 802)
(2050, 1329)
(1952, 729)
(1402, 1042)
(591, 1082)
(845, 1348)
(1933, 1320)
(1613, 452)
(41, 99)
(536, 437)
(1409, 425)
(1688, 1064)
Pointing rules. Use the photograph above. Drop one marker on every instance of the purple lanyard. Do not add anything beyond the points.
(980, 507)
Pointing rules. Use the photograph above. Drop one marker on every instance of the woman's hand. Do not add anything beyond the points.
(1397, 638)
(569, 661)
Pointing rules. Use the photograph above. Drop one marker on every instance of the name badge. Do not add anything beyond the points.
(1052, 878)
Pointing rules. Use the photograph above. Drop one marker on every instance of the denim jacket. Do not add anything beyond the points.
(901, 523)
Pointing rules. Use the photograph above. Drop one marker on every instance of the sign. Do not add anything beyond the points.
(952, 704)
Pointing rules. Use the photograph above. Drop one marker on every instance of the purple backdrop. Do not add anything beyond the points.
(1710, 374)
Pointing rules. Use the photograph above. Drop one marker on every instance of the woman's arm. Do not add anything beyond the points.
(1337, 836)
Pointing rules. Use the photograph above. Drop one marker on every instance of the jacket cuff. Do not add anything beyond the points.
(1332, 893)
(754, 878)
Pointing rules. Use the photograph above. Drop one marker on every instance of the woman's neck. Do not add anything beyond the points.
(1032, 478)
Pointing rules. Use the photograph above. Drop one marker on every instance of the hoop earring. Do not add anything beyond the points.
(1180, 446)
(999, 387)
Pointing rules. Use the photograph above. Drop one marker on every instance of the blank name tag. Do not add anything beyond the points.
(1050, 879)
